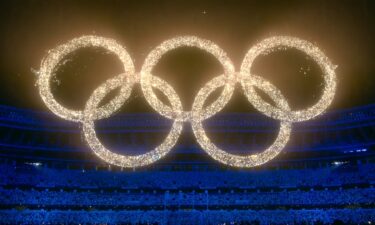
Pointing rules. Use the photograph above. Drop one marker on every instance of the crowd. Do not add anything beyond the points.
(113, 198)
(50, 177)
(35, 194)
(192, 217)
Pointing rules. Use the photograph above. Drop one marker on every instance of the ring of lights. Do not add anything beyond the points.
(55, 56)
(314, 52)
(187, 41)
(121, 160)
(125, 82)
(236, 160)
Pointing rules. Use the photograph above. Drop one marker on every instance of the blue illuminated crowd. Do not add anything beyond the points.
(301, 177)
(98, 198)
(31, 194)
(211, 217)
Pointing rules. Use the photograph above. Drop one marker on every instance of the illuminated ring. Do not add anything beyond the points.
(52, 62)
(237, 160)
(189, 41)
(274, 43)
(126, 160)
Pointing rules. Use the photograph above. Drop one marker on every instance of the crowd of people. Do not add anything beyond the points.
(192, 217)
(35, 194)
(192, 198)
(308, 177)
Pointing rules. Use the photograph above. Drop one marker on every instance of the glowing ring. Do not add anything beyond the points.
(189, 41)
(52, 61)
(237, 160)
(126, 160)
(314, 52)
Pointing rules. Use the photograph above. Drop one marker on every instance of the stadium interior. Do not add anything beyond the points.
(325, 174)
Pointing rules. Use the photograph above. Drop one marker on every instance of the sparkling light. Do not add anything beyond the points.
(273, 44)
(198, 114)
(53, 60)
(236, 160)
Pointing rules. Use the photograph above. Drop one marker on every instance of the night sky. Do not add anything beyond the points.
(344, 30)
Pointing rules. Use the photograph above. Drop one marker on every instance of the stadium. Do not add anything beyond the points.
(51, 173)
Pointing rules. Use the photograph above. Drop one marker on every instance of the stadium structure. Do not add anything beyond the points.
(246, 73)
(325, 176)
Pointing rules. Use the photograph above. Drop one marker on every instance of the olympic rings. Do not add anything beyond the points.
(126, 80)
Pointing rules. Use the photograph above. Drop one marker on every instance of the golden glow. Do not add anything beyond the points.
(198, 114)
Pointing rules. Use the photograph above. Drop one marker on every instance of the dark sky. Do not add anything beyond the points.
(344, 30)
